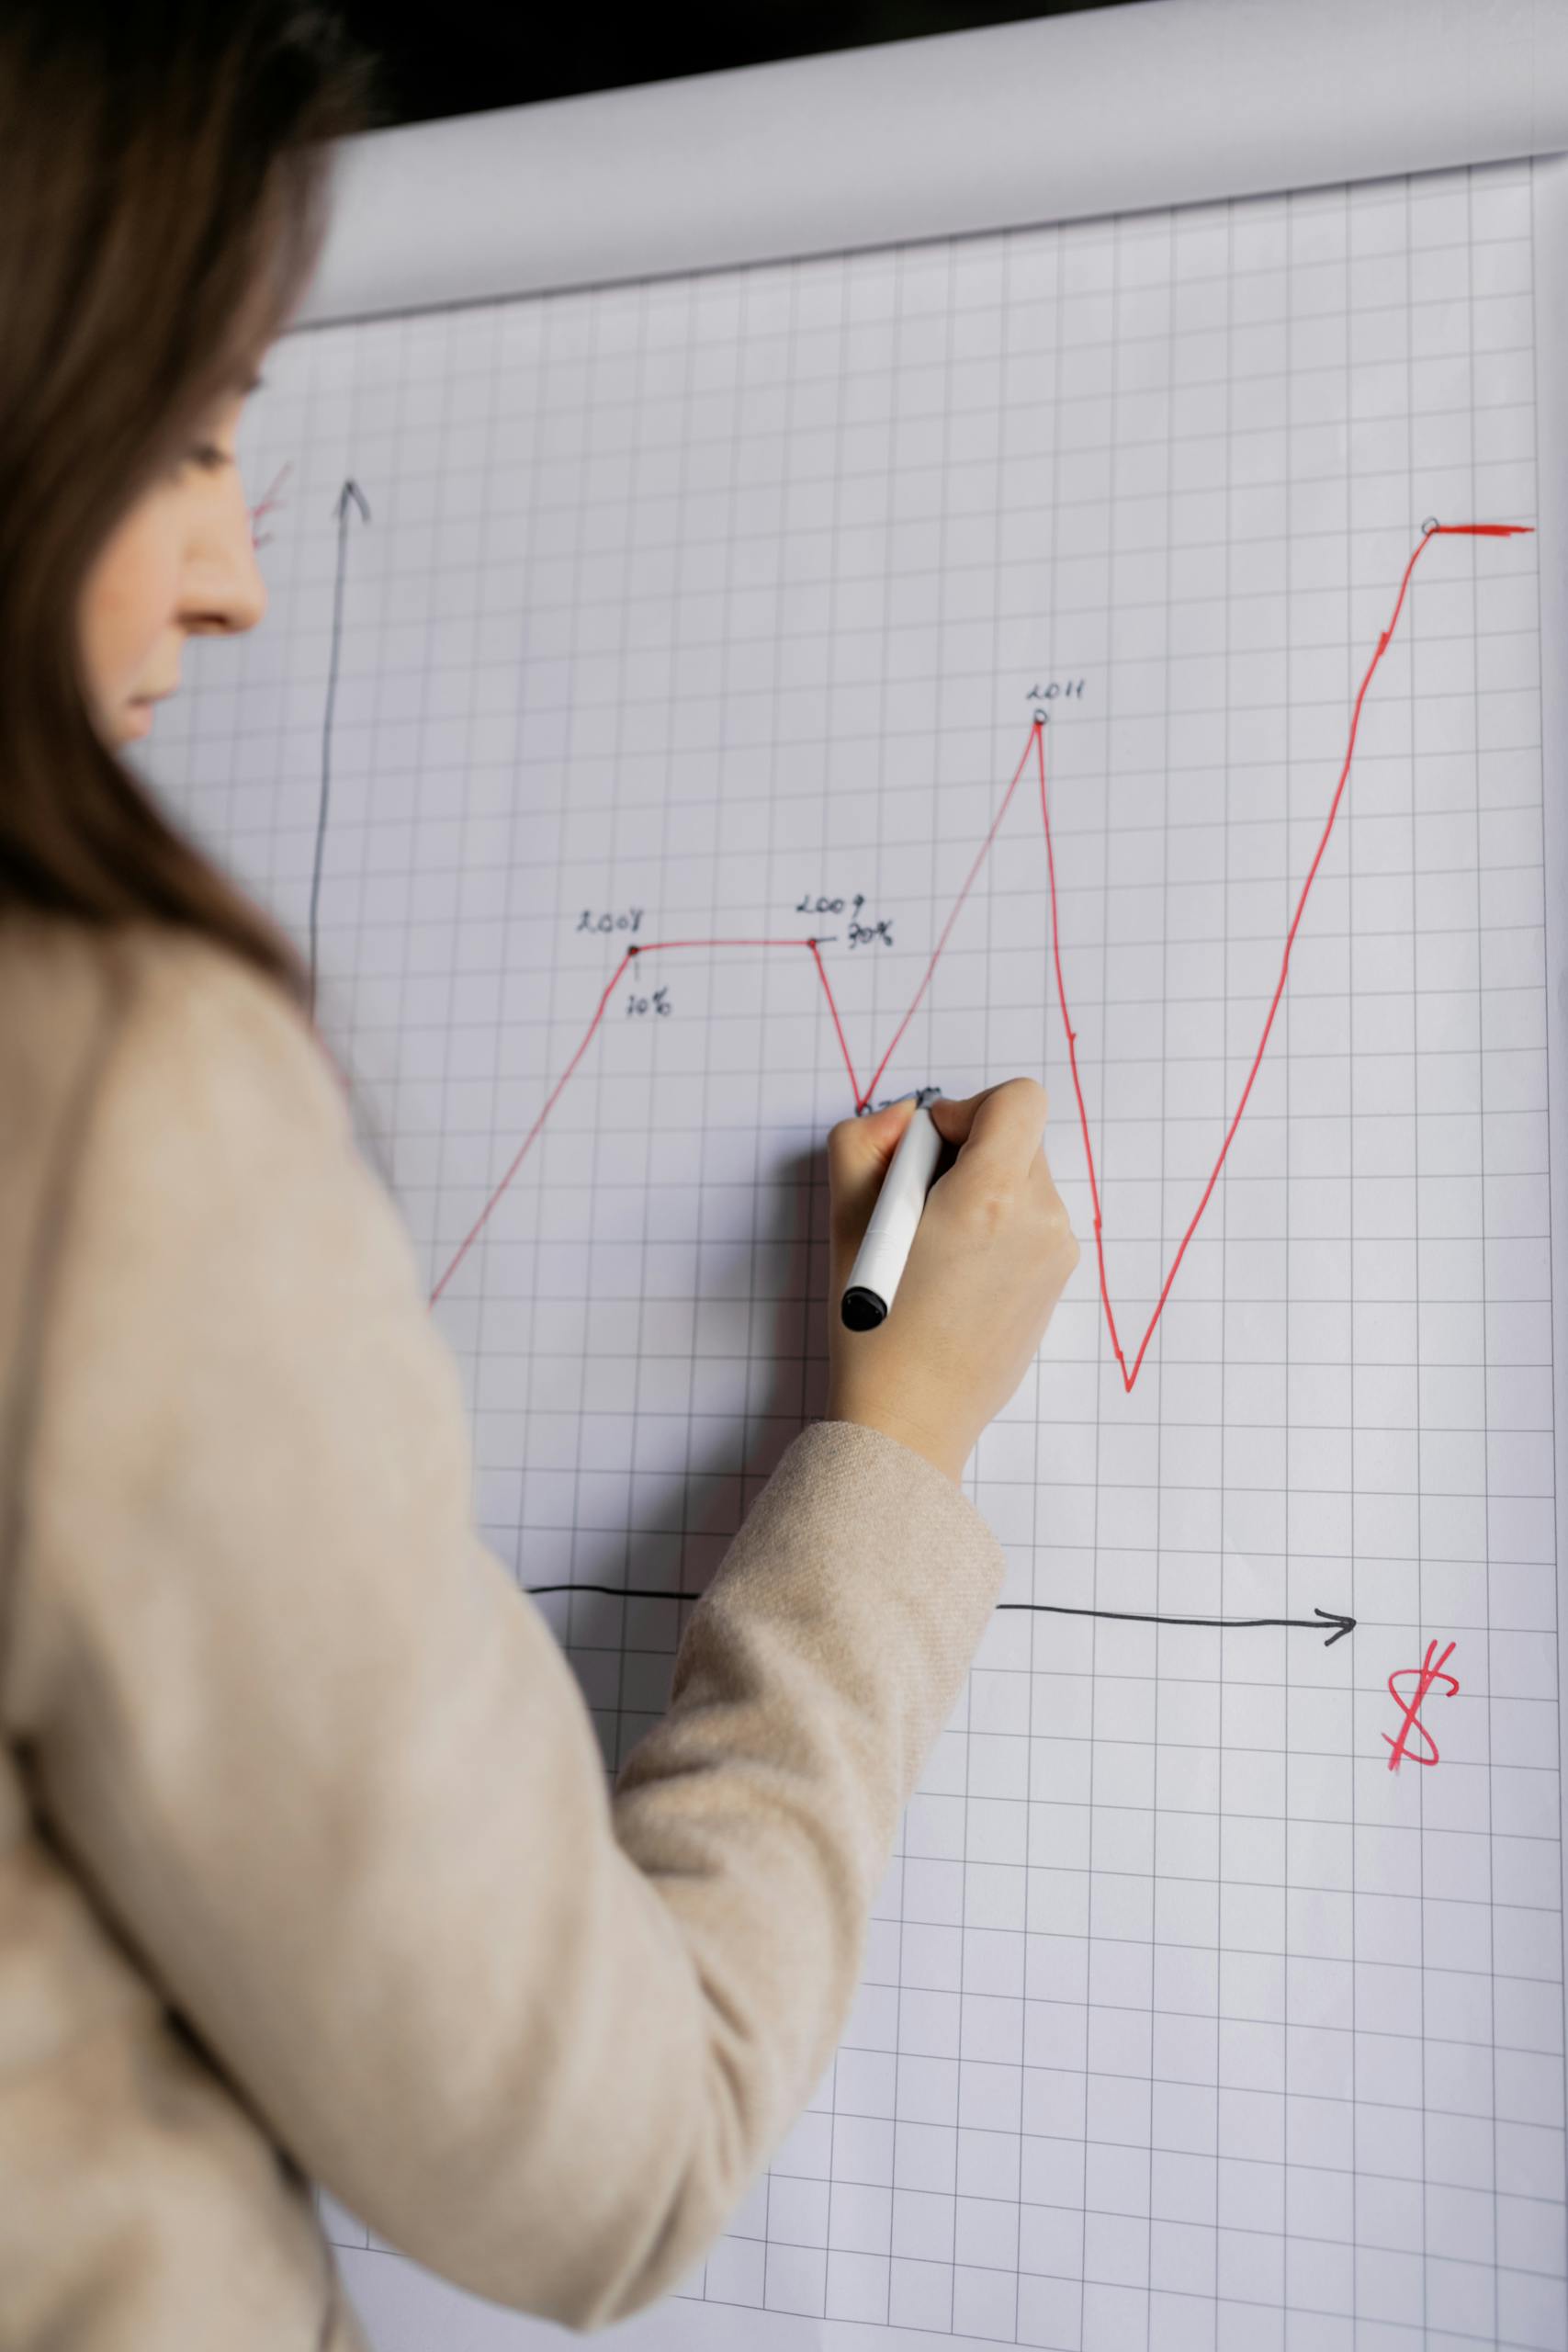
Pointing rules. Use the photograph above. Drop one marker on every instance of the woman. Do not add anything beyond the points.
(307, 1870)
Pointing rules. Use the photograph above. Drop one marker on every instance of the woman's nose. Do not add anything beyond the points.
(247, 594)
(227, 592)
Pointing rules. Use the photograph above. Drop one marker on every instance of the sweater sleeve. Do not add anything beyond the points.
(327, 1770)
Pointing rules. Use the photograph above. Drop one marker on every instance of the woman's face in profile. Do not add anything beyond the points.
(178, 563)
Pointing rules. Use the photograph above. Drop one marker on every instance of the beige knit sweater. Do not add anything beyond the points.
(308, 1865)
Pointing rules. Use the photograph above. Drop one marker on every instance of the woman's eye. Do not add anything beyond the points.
(209, 455)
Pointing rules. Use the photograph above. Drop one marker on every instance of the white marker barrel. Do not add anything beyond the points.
(885, 1251)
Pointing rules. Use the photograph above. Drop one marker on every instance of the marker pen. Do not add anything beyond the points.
(885, 1251)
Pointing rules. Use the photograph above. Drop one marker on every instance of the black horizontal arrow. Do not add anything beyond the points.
(1314, 1624)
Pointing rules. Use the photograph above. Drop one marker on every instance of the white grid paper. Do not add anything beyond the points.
(1184, 2022)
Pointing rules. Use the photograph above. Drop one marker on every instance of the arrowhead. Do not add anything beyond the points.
(351, 490)
(1342, 1626)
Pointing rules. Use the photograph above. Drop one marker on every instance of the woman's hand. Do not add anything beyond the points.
(992, 1253)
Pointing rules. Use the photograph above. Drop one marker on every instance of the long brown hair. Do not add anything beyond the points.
(164, 177)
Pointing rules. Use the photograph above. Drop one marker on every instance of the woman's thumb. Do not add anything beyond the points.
(954, 1116)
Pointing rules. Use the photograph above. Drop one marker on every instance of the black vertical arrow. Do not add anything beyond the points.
(349, 495)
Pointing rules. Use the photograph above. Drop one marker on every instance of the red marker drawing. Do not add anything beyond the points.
(266, 506)
(1425, 1674)
(1033, 758)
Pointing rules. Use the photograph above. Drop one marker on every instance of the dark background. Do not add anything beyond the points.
(462, 59)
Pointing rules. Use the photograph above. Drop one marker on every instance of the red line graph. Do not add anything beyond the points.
(1033, 751)
(266, 505)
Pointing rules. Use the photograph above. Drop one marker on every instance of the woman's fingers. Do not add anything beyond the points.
(999, 1133)
(1003, 1128)
(988, 1262)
